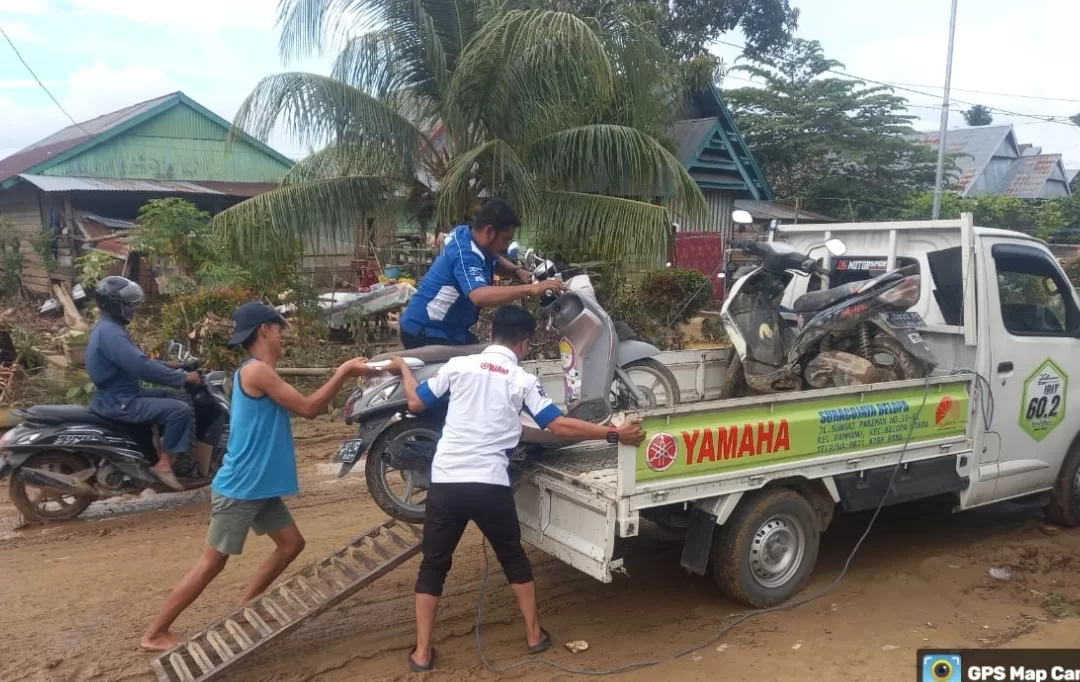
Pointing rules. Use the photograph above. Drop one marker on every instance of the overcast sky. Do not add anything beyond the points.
(101, 55)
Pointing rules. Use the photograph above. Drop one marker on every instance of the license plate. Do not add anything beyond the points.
(904, 320)
(348, 451)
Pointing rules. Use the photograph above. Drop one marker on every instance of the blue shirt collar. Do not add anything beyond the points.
(466, 230)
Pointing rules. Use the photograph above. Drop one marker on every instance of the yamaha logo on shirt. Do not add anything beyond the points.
(498, 369)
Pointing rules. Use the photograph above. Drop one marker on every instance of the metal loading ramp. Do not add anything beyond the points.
(314, 590)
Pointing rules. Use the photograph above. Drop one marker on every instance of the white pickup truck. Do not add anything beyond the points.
(754, 481)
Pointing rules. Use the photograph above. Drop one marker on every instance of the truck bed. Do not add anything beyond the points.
(574, 502)
(592, 466)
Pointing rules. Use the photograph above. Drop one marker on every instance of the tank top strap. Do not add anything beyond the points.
(238, 386)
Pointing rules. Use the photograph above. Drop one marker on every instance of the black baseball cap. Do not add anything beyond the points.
(249, 317)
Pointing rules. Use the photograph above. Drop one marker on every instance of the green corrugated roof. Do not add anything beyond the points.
(169, 138)
(713, 150)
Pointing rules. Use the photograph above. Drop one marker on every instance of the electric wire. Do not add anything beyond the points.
(40, 83)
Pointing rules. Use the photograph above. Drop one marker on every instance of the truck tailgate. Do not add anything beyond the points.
(567, 505)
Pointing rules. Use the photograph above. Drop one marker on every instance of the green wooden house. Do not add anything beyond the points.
(85, 183)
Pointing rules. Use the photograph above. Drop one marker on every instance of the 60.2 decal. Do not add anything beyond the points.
(1041, 408)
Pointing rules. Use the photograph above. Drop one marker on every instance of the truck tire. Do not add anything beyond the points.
(767, 550)
(1064, 507)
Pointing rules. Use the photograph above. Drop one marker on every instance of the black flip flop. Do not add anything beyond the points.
(416, 667)
(543, 645)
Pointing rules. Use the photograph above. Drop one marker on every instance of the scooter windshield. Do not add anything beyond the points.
(757, 316)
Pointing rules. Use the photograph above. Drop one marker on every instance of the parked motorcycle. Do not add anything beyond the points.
(857, 333)
(63, 457)
(605, 370)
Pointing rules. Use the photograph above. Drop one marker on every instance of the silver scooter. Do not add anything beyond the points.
(605, 370)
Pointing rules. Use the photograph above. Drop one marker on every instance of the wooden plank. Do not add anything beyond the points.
(72, 316)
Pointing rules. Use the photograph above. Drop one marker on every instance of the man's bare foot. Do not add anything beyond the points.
(162, 642)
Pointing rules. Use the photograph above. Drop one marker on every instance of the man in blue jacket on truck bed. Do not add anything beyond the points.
(460, 281)
(118, 367)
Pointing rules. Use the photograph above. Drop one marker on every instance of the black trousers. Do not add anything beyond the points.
(411, 341)
(449, 508)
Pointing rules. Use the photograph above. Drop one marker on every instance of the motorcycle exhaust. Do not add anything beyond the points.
(55, 482)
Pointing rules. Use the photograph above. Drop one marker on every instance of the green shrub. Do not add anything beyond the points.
(44, 243)
(675, 295)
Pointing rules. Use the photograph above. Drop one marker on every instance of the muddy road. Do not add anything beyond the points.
(75, 597)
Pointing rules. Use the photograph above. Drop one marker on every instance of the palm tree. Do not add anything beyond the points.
(433, 104)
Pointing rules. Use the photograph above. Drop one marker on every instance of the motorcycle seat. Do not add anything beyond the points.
(820, 300)
(68, 414)
(432, 355)
(625, 332)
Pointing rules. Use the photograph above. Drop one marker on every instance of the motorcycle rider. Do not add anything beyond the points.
(460, 281)
(117, 367)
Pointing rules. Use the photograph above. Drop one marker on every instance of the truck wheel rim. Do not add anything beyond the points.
(776, 552)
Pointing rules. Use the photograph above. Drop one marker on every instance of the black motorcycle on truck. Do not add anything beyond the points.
(63, 457)
(858, 333)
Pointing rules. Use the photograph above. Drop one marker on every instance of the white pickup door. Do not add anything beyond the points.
(1032, 322)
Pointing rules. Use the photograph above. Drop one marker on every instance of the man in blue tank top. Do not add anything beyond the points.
(258, 470)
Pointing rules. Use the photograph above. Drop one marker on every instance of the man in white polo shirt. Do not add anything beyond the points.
(469, 479)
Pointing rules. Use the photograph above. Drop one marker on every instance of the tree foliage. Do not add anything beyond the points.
(978, 115)
(820, 137)
(687, 27)
(1054, 220)
(175, 231)
(432, 105)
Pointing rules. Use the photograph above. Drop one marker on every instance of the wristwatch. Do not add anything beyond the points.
(612, 436)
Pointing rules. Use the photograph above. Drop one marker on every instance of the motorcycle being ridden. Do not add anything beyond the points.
(63, 457)
(605, 370)
(844, 336)
(118, 368)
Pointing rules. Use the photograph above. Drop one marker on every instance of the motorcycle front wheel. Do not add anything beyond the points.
(399, 493)
(653, 380)
(36, 504)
